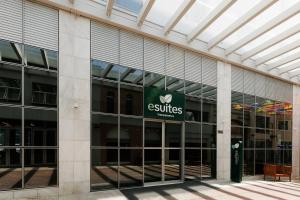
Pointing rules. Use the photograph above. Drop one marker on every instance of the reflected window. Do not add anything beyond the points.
(132, 76)
(40, 88)
(131, 132)
(104, 130)
(209, 92)
(35, 57)
(10, 84)
(131, 100)
(10, 52)
(105, 70)
(174, 84)
(40, 127)
(105, 96)
(193, 89)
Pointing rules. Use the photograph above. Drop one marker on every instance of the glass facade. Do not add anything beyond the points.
(127, 149)
(265, 127)
(28, 116)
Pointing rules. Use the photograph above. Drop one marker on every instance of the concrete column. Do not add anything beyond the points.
(223, 121)
(74, 104)
(296, 132)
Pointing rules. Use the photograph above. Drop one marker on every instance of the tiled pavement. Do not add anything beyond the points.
(210, 190)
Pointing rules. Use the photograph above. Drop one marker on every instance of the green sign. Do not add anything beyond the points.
(163, 104)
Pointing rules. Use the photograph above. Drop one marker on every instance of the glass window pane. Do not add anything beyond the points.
(131, 167)
(35, 57)
(40, 167)
(40, 127)
(237, 107)
(104, 172)
(209, 111)
(260, 113)
(152, 165)
(153, 134)
(270, 139)
(155, 80)
(104, 130)
(192, 135)
(10, 168)
(209, 92)
(288, 157)
(209, 133)
(270, 113)
(132, 76)
(40, 88)
(208, 167)
(249, 134)
(279, 156)
(249, 111)
(10, 84)
(173, 135)
(131, 100)
(172, 164)
(10, 126)
(105, 96)
(259, 161)
(174, 84)
(192, 168)
(131, 132)
(260, 138)
(270, 156)
(52, 57)
(237, 132)
(192, 109)
(193, 89)
(288, 116)
(10, 52)
(248, 162)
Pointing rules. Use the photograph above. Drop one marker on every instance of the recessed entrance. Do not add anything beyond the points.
(162, 151)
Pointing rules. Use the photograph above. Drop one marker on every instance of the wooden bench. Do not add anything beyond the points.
(277, 171)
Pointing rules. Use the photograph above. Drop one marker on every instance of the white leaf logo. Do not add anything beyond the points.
(165, 99)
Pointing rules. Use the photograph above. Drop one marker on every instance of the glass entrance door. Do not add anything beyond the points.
(162, 151)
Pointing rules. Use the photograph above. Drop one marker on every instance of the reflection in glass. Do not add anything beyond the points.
(192, 109)
(270, 156)
(40, 127)
(192, 168)
(104, 130)
(131, 100)
(40, 167)
(130, 75)
(174, 84)
(248, 162)
(209, 92)
(259, 161)
(249, 111)
(131, 132)
(10, 168)
(208, 167)
(172, 164)
(10, 126)
(249, 134)
(260, 113)
(10, 84)
(193, 89)
(154, 80)
(237, 132)
(270, 113)
(105, 96)
(288, 157)
(10, 52)
(237, 109)
(35, 57)
(260, 138)
(40, 88)
(172, 135)
(153, 134)
(104, 172)
(152, 165)
(209, 134)
(131, 167)
(209, 113)
(192, 135)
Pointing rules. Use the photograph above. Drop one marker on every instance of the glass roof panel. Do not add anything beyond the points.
(289, 64)
(193, 17)
(230, 16)
(297, 50)
(162, 11)
(278, 46)
(259, 21)
(131, 5)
